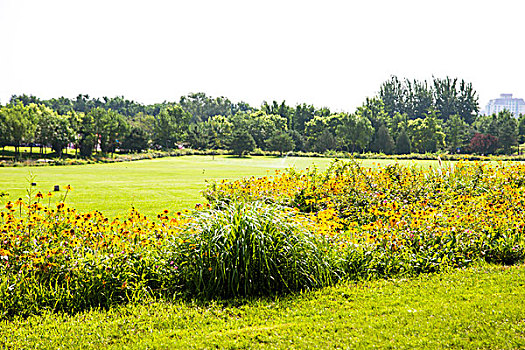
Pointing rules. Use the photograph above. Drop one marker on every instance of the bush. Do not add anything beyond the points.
(250, 249)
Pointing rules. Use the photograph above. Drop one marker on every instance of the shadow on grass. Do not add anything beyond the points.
(247, 156)
(233, 156)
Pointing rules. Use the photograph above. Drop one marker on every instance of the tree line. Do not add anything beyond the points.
(405, 116)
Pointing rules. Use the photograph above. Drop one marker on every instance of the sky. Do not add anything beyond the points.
(328, 53)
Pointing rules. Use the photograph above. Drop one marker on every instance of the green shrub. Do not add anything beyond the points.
(251, 249)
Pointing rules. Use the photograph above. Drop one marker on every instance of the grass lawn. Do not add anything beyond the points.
(150, 185)
(476, 308)
(33, 153)
(479, 307)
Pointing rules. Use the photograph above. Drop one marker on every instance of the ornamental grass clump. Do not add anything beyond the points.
(248, 249)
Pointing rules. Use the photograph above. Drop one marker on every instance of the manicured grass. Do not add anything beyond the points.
(149, 185)
(33, 153)
(480, 307)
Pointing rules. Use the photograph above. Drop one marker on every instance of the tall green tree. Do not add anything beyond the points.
(19, 123)
(4, 136)
(221, 131)
(411, 98)
(396, 124)
(457, 133)
(320, 132)
(426, 134)
(281, 142)
(383, 141)
(507, 131)
(88, 138)
(62, 133)
(403, 145)
(75, 121)
(136, 140)
(374, 110)
(394, 95)
(110, 128)
(200, 136)
(242, 142)
(54, 130)
(326, 141)
(354, 132)
(61, 105)
(281, 109)
(420, 99)
(24, 99)
(262, 126)
(143, 121)
(302, 115)
(454, 97)
(416, 98)
(486, 124)
(298, 140)
(521, 128)
(201, 107)
(170, 126)
(44, 128)
(503, 126)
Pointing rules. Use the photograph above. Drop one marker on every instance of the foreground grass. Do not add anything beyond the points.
(149, 185)
(480, 307)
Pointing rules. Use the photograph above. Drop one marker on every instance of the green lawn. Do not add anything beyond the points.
(477, 308)
(33, 153)
(150, 185)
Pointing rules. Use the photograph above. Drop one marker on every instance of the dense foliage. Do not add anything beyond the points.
(402, 219)
(261, 236)
(406, 116)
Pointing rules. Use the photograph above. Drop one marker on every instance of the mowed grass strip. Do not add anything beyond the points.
(149, 185)
(476, 308)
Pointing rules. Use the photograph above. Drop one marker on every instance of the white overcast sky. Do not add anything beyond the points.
(329, 53)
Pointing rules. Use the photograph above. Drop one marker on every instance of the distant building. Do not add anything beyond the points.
(516, 106)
